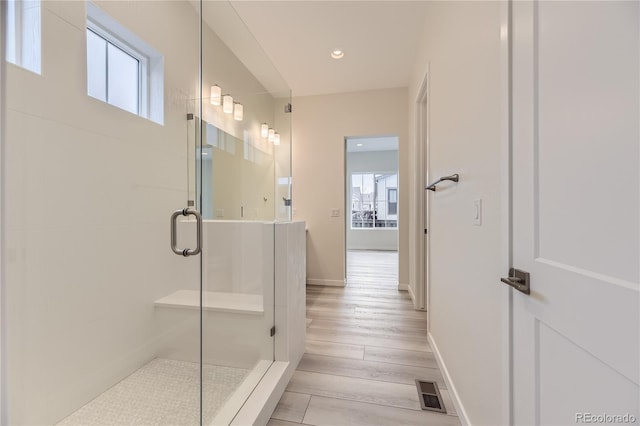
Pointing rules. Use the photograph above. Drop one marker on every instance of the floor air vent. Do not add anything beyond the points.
(429, 396)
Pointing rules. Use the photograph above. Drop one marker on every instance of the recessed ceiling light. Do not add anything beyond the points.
(358, 144)
(337, 54)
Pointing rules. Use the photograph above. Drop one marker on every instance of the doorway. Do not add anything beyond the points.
(371, 200)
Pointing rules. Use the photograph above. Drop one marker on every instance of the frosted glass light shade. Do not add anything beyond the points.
(216, 94)
(272, 134)
(238, 112)
(276, 139)
(227, 104)
(264, 130)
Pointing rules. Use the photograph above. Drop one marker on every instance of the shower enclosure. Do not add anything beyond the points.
(142, 202)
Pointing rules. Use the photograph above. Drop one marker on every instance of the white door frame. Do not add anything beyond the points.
(506, 210)
(345, 203)
(347, 200)
(421, 296)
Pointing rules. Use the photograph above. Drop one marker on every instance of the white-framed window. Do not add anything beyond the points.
(113, 74)
(23, 34)
(374, 200)
(122, 69)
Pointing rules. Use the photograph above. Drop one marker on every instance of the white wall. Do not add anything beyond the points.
(461, 48)
(92, 188)
(320, 125)
(370, 239)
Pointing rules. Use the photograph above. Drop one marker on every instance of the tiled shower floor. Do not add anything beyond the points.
(162, 392)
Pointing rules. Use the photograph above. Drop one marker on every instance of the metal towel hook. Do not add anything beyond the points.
(452, 178)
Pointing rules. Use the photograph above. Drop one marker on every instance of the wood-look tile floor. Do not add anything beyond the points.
(365, 347)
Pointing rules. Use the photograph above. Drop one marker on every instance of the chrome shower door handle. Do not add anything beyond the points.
(174, 233)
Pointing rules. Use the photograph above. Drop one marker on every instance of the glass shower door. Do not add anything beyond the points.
(101, 319)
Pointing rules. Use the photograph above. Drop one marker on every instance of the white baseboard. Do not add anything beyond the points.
(403, 287)
(413, 296)
(462, 413)
(332, 283)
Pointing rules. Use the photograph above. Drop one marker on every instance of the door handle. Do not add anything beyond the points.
(519, 280)
(174, 233)
(452, 178)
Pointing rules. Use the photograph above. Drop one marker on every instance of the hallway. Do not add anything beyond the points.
(365, 347)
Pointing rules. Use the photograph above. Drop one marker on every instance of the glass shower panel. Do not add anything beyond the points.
(245, 183)
(251, 173)
(101, 321)
(284, 204)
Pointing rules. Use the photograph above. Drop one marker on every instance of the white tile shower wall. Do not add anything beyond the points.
(229, 339)
(238, 257)
(90, 189)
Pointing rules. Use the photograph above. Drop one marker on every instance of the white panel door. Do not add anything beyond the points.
(576, 216)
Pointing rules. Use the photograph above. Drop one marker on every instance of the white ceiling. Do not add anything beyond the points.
(381, 143)
(379, 39)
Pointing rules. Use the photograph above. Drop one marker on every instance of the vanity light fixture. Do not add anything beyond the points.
(272, 134)
(264, 130)
(227, 104)
(276, 139)
(337, 54)
(238, 111)
(216, 93)
(358, 144)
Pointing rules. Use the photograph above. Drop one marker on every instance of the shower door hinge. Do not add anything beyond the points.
(273, 331)
(288, 108)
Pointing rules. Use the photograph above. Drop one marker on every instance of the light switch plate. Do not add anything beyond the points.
(477, 212)
(219, 212)
(335, 212)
